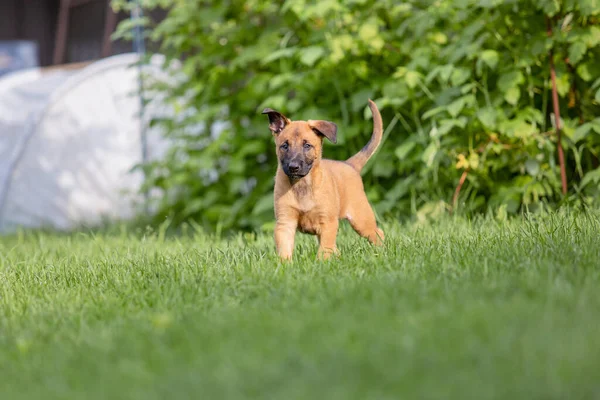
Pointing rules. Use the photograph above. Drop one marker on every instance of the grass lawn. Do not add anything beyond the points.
(452, 310)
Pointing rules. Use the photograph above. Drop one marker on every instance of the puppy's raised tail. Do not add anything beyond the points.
(359, 160)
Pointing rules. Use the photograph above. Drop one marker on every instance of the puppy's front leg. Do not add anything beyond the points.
(327, 236)
(285, 232)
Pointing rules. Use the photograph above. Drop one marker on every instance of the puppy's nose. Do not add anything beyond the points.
(294, 166)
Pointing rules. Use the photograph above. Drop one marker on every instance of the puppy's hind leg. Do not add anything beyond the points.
(362, 219)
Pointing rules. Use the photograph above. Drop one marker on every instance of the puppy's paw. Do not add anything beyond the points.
(326, 253)
(380, 237)
(377, 237)
(284, 256)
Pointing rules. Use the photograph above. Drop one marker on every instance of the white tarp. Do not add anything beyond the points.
(68, 142)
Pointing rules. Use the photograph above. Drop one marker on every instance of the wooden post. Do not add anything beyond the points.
(62, 29)
(110, 22)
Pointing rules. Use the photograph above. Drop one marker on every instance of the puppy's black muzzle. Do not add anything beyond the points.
(296, 168)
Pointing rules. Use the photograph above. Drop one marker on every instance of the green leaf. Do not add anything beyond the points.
(581, 132)
(277, 54)
(474, 160)
(490, 57)
(264, 204)
(589, 7)
(446, 125)
(568, 128)
(276, 102)
(532, 167)
(592, 176)
(251, 147)
(446, 72)
(563, 84)
(595, 123)
(369, 34)
(520, 128)
(512, 95)
(550, 7)
(402, 151)
(597, 96)
(434, 111)
(577, 51)
(583, 70)
(340, 45)
(456, 107)
(468, 87)
(310, 55)
(280, 80)
(531, 114)
(193, 206)
(541, 46)
(400, 72)
(487, 116)
(524, 130)
(510, 80)
(428, 156)
(459, 76)
(439, 38)
(399, 189)
(359, 98)
(593, 36)
(461, 122)
(368, 31)
(412, 78)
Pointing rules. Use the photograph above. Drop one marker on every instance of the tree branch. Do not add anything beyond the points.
(556, 106)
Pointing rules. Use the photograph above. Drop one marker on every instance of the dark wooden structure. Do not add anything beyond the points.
(66, 31)
(64, 12)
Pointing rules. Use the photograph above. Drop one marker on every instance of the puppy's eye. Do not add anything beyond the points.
(284, 146)
(307, 146)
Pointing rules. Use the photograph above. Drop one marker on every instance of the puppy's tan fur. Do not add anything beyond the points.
(331, 190)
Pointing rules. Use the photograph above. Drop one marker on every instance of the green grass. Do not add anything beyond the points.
(453, 310)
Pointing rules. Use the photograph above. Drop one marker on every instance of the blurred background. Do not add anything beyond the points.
(60, 31)
(72, 121)
(151, 108)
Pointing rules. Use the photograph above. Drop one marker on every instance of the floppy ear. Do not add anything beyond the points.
(277, 121)
(324, 128)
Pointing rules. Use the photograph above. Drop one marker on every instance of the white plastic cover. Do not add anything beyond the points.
(68, 142)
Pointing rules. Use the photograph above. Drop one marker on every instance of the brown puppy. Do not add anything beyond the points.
(311, 193)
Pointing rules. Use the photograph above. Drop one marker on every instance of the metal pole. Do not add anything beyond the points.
(139, 48)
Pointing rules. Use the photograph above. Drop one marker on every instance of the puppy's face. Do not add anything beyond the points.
(299, 143)
(298, 146)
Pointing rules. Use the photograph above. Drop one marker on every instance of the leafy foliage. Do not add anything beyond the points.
(463, 86)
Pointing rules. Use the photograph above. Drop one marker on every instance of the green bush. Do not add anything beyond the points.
(463, 86)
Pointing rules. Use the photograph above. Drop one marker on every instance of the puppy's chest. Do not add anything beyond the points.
(309, 213)
(309, 222)
(306, 205)
(302, 197)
